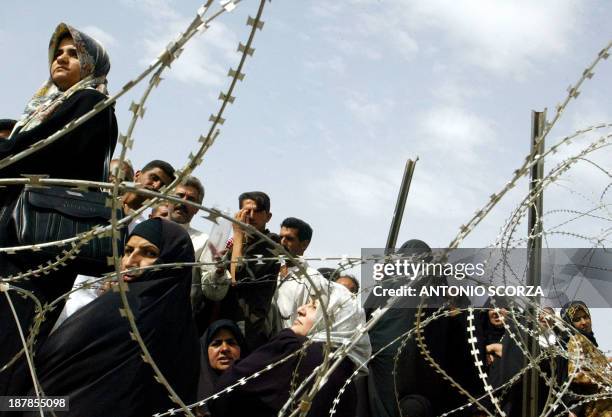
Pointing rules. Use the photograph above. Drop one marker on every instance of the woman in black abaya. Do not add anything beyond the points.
(78, 66)
(91, 357)
(222, 344)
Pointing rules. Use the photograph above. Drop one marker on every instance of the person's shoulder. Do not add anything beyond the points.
(86, 97)
(89, 92)
(273, 236)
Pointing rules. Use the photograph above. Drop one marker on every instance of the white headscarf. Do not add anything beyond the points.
(347, 318)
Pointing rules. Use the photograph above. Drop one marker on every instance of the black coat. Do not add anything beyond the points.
(92, 359)
(265, 395)
(79, 154)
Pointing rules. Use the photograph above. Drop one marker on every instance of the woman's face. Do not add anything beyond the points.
(307, 315)
(66, 68)
(497, 319)
(582, 321)
(138, 253)
(223, 350)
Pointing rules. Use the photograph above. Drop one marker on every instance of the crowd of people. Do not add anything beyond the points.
(236, 311)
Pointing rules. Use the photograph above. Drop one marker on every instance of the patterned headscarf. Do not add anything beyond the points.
(94, 63)
(569, 312)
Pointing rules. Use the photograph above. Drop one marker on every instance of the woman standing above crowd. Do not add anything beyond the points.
(78, 66)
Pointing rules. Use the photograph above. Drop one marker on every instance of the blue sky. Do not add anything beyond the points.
(339, 94)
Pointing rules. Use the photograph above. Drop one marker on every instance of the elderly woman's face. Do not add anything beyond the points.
(307, 315)
(138, 253)
(223, 350)
(66, 68)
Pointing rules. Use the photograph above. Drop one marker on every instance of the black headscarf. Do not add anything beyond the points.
(569, 311)
(489, 333)
(266, 395)
(208, 375)
(92, 359)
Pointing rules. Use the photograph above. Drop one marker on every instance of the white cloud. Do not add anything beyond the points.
(457, 131)
(505, 37)
(365, 194)
(367, 110)
(502, 36)
(158, 9)
(206, 57)
(334, 64)
(454, 92)
(105, 38)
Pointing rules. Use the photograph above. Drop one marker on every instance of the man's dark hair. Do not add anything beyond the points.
(163, 165)
(259, 197)
(327, 273)
(6, 124)
(352, 278)
(303, 228)
(193, 182)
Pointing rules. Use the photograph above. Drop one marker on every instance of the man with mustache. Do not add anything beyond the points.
(192, 190)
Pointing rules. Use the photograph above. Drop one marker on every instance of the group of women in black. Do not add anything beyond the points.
(412, 376)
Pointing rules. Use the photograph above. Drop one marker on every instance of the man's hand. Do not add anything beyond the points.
(244, 215)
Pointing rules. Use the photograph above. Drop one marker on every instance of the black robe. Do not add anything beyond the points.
(91, 358)
(412, 375)
(79, 154)
(209, 377)
(265, 395)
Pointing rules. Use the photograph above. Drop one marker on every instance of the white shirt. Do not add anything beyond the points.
(202, 254)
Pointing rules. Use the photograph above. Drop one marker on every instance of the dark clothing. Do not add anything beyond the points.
(407, 372)
(250, 300)
(92, 359)
(209, 376)
(79, 154)
(512, 362)
(265, 395)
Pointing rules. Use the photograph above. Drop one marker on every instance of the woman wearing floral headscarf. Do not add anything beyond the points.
(78, 66)
(591, 366)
